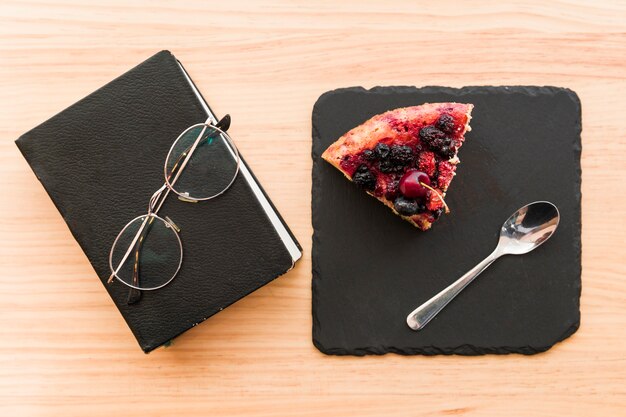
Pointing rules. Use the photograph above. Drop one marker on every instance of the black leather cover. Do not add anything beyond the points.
(101, 159)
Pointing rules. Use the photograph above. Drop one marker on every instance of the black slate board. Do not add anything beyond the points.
(370, 268)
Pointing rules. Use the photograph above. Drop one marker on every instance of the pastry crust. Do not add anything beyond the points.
(400, 126)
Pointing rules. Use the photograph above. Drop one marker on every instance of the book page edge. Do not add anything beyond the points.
(271, 214)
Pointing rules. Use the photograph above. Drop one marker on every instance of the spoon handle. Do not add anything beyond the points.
(425, 313)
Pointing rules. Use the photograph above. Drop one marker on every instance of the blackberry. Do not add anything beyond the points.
(362, 169)
(381, 150)
(429, 134)
(437, 141)
(438, 144)
(364, 178)
(445, 123)
(437, 213)
(401, 156)
(447, 152)
(369, 154)
(386, 166)
(406, 206)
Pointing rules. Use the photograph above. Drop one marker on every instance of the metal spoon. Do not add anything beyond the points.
(525, 230)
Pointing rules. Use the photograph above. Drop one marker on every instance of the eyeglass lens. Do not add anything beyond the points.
(155, 256)
(211, 168)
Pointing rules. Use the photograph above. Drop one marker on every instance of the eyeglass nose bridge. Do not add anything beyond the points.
(154, 200)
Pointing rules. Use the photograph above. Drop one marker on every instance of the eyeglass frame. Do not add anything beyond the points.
(159, 197)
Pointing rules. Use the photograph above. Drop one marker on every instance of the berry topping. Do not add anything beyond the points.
(406, 158)
(385, 166)
(434, 202)
(362, 169)
(369, 154)
(406, 206)
(447, 152)
(435, 177)
(391, 192)
(426, 163)
(429, 134)
(411, 184)
(446, 173)
(364, 178)
(381, 150)
(436, 140)
(446, 123)
(394, 158)
(401, 156)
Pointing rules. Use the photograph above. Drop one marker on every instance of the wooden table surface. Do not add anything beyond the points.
(65, 349)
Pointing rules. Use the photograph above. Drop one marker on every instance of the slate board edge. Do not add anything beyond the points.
(525, 89)
(463, 350)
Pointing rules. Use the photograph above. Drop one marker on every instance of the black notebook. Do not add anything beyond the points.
(101, 159)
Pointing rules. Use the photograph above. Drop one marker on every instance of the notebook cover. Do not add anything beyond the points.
(101, 159)
(371, 268)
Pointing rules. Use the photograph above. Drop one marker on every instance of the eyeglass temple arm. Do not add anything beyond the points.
(134, 295)
(224, 123)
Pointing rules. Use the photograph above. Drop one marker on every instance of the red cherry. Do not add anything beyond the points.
(410, 184)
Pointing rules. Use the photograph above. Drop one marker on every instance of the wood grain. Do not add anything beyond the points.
(66, 350)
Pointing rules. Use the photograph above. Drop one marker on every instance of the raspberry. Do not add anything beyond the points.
(433, 202)
(391, 192)
(446, 173)
(426, 163)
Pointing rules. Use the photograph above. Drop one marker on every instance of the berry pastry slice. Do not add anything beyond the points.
(405, 157)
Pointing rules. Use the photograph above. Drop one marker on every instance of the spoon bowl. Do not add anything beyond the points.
(528, 228)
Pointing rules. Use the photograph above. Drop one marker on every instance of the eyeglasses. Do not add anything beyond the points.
(201, 164)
